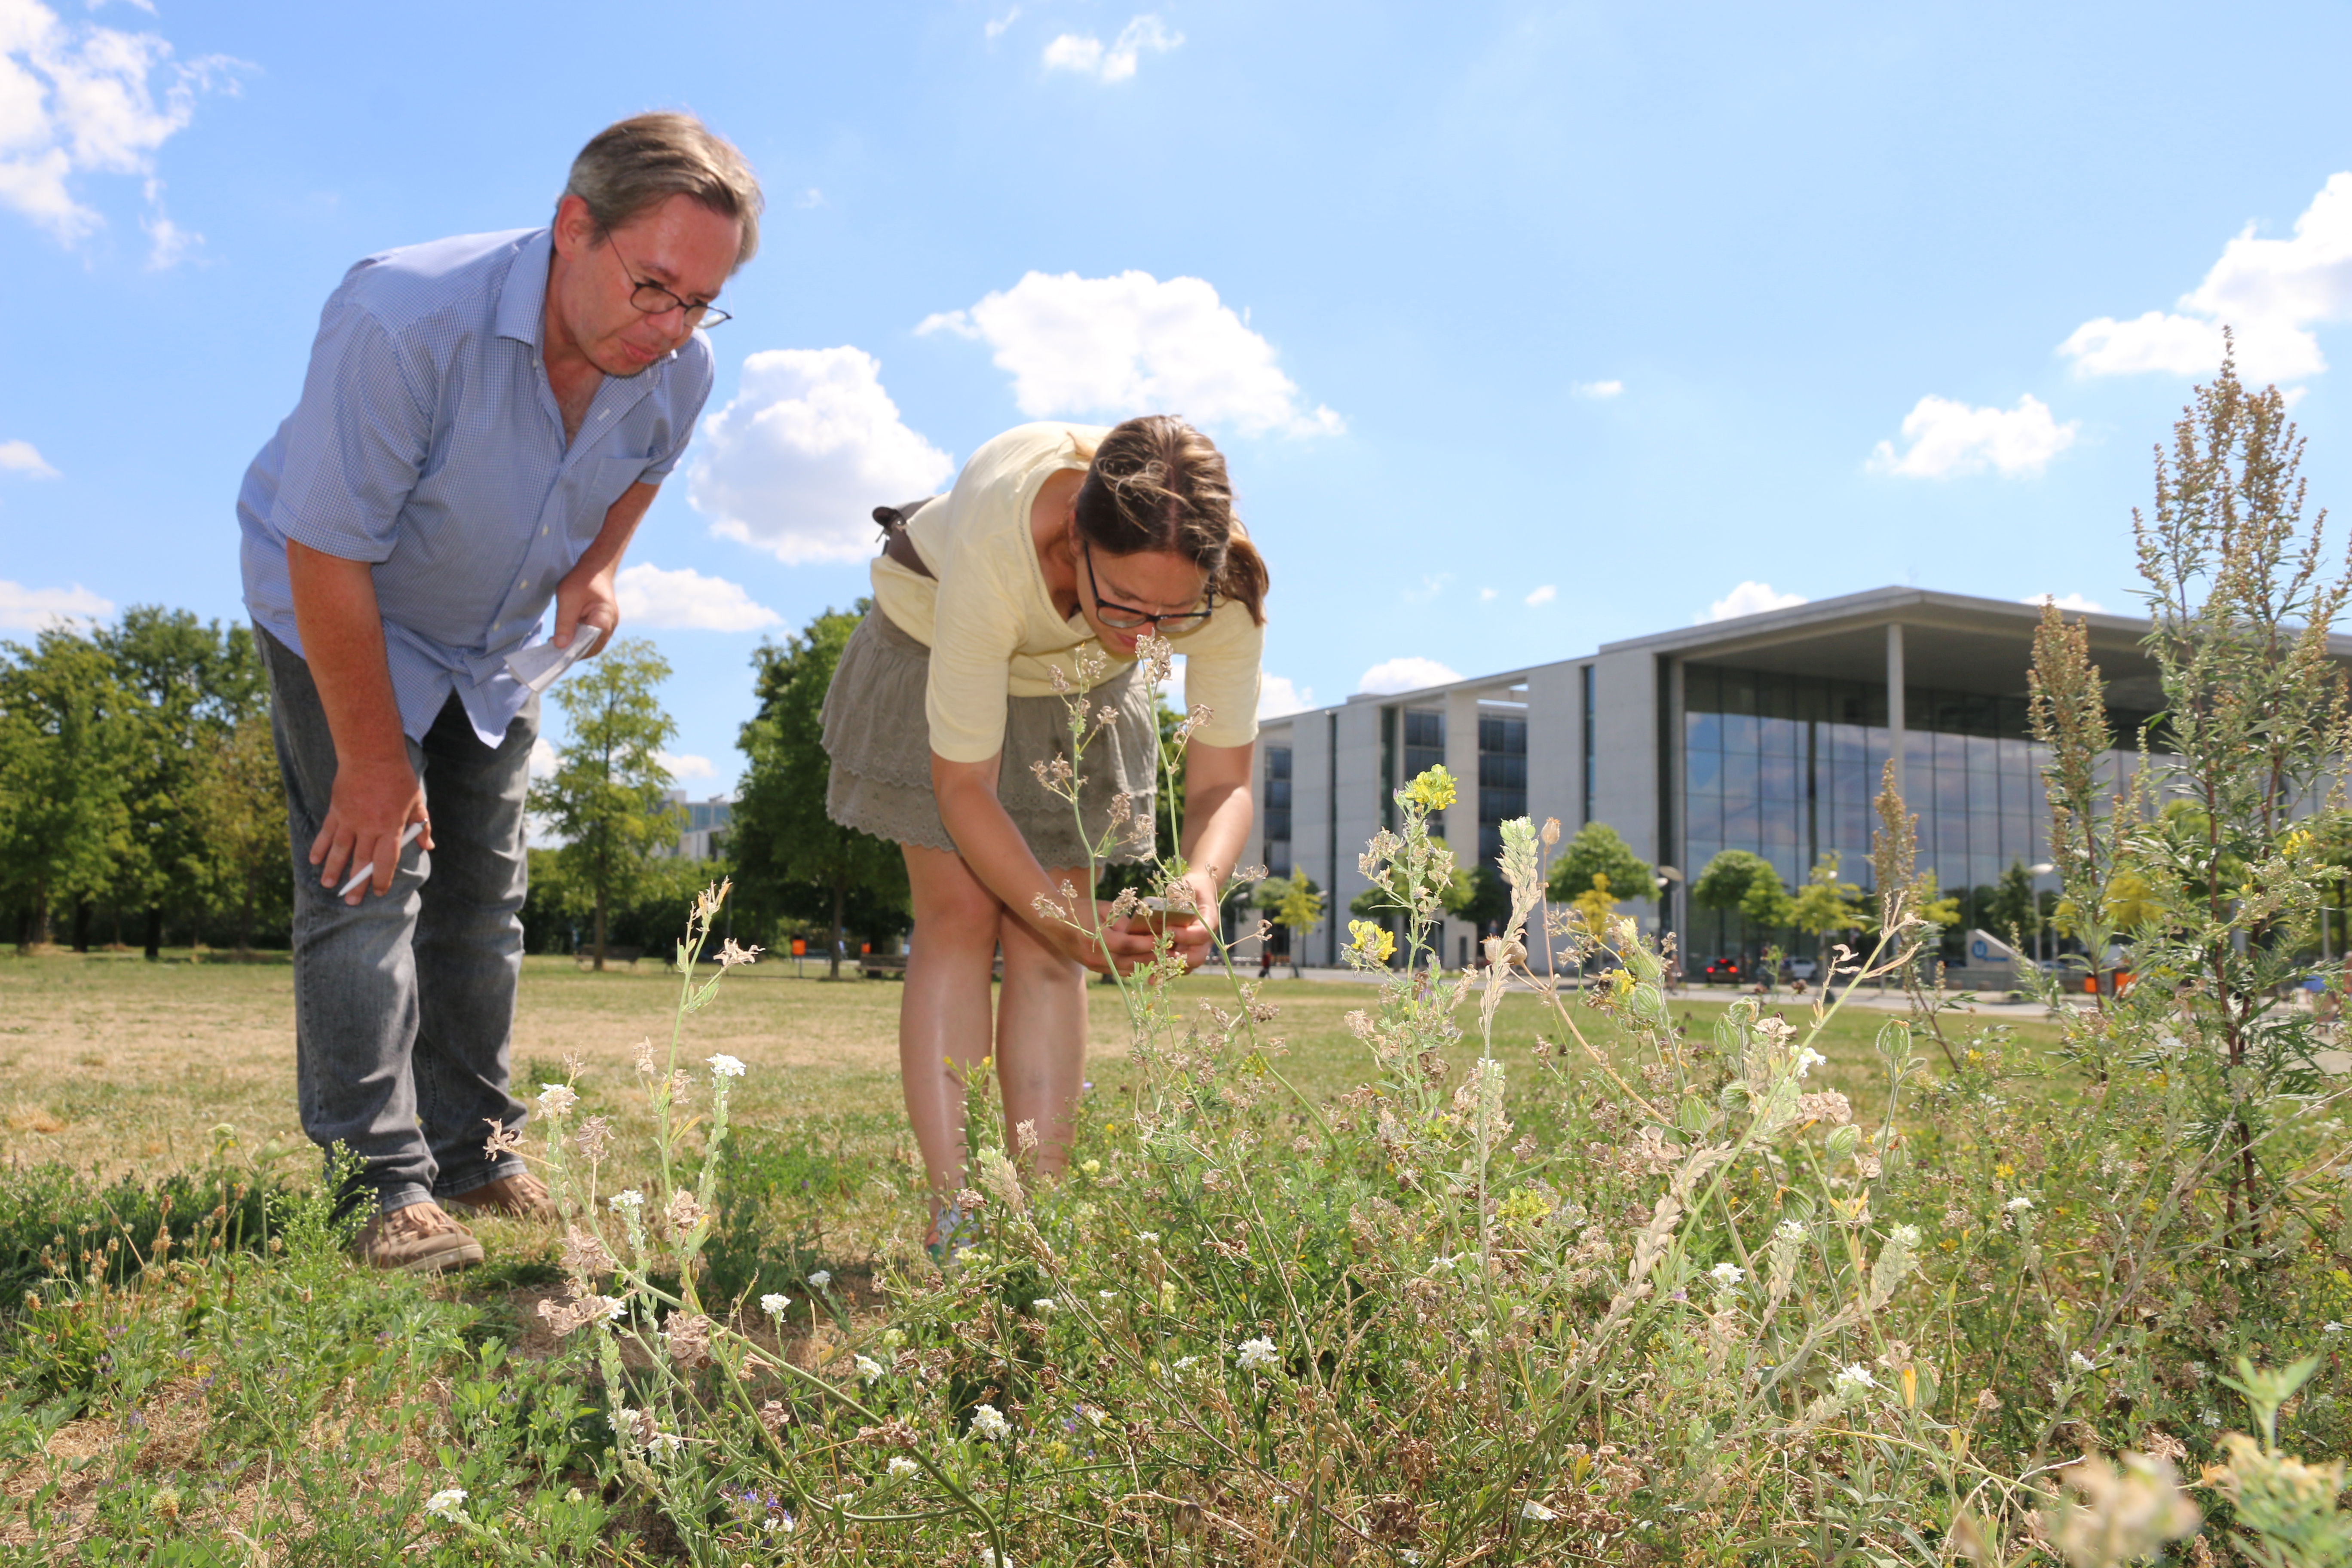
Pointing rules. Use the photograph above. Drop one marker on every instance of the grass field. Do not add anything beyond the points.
(118, 1066)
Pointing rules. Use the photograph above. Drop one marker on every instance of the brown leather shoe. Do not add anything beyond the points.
(517, 1197)
(418, 1239)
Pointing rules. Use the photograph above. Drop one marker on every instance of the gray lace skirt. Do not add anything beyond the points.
(880, 744)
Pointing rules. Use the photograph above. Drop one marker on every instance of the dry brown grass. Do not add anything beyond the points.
(120, 1065)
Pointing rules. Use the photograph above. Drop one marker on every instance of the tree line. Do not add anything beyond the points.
(139, 786)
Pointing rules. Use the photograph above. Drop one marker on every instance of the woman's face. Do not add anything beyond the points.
(1115, 589)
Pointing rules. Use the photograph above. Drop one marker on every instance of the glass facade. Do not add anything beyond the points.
(1502, 780)
(1787, 766)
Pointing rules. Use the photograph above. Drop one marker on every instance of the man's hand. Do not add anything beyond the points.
(586, 595)
(373, 803)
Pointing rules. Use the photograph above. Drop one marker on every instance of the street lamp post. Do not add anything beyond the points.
(2041, 940)
(1666, 878)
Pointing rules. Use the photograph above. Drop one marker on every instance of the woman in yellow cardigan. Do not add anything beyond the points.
(1055, 538)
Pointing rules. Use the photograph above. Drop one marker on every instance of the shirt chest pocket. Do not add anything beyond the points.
(600, 484)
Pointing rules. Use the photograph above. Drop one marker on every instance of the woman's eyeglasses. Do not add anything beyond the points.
(1127, 617)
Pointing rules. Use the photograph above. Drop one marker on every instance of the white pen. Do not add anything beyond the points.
(407, 837)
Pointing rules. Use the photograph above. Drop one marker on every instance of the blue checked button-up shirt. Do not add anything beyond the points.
(427, 441)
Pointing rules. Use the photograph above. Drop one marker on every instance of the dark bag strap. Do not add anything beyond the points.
(895, 543)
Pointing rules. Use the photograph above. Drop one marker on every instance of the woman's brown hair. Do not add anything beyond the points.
(1157, 484)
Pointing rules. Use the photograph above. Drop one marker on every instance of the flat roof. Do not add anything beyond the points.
(1951, 642)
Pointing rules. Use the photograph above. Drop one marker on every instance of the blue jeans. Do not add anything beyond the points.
(403, 1005)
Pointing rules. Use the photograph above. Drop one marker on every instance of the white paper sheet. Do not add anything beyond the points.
(539, 666)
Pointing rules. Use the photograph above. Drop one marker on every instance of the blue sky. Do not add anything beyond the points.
(1525, 327)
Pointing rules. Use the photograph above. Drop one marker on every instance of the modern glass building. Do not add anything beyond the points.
(1769, 733)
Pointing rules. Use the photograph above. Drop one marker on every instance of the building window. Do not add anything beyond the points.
(1789, 767)
(1502, 780)
(1586, 677)
(1277, 810)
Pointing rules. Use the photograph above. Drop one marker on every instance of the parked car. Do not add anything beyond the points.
(1803, 968)
(1721, 972)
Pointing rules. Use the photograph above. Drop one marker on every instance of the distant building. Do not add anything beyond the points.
(704, 836)
(1766, 733)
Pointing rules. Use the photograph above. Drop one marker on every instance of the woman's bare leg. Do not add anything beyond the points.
(944, 1022)
(1041, 1038)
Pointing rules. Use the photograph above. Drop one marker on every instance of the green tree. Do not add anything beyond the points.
(606, 797)
(1827, 905)
(1300, 911)
(1596, 849)
(62, 821)
(239, 800)
(187, 685)
(784, 845)
(1723, 886)
(2013, 912)
(1766, 904)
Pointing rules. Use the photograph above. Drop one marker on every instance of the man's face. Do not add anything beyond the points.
(679, 244)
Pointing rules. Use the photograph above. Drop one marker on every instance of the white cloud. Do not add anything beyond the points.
(1749, 599)
(1085, 54)
(996, 27)
(796, 464)
(24, 609)
(544, 759)
(686, 600)
(1948, 439)
(1486, 594)
(1543, 595)
(168, 244)
(812, 197)
(1277, 695)
(690, 766)
(87, 100)
(2075, 601)
(1132, 344)
(1409, 673)
(1598, 389)
(2270, 292)
(23, 457)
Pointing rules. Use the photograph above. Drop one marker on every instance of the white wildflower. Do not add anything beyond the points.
(1726, 1274)
(774, 1303)
(2331, 1327)
(1259, 1355)
(2019, 1203)
(1149, 1237)
(628, 1198)
(2079, 1360)
(902, 1466)
(1042, 1305)
(1536, 1511)
(821, 1278)
(1113, 1295)
(869, 1369)
(2210, 1417)
(989, 1425)
(1853, 1378)
(725, 1067)
(1807, 1060)
(555, 1099)
(449, 1502)
(1790, 1230)
(666, 1443)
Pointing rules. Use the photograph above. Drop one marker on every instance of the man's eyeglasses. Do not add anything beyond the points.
(655, 301)
(1127, 617)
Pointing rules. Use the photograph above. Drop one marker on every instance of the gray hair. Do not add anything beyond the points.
(644, 160)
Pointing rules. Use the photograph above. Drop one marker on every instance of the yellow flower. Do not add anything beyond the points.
(1433, 791)
(1370, 939)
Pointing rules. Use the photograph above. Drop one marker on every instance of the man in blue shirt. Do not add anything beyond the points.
(484, 421)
